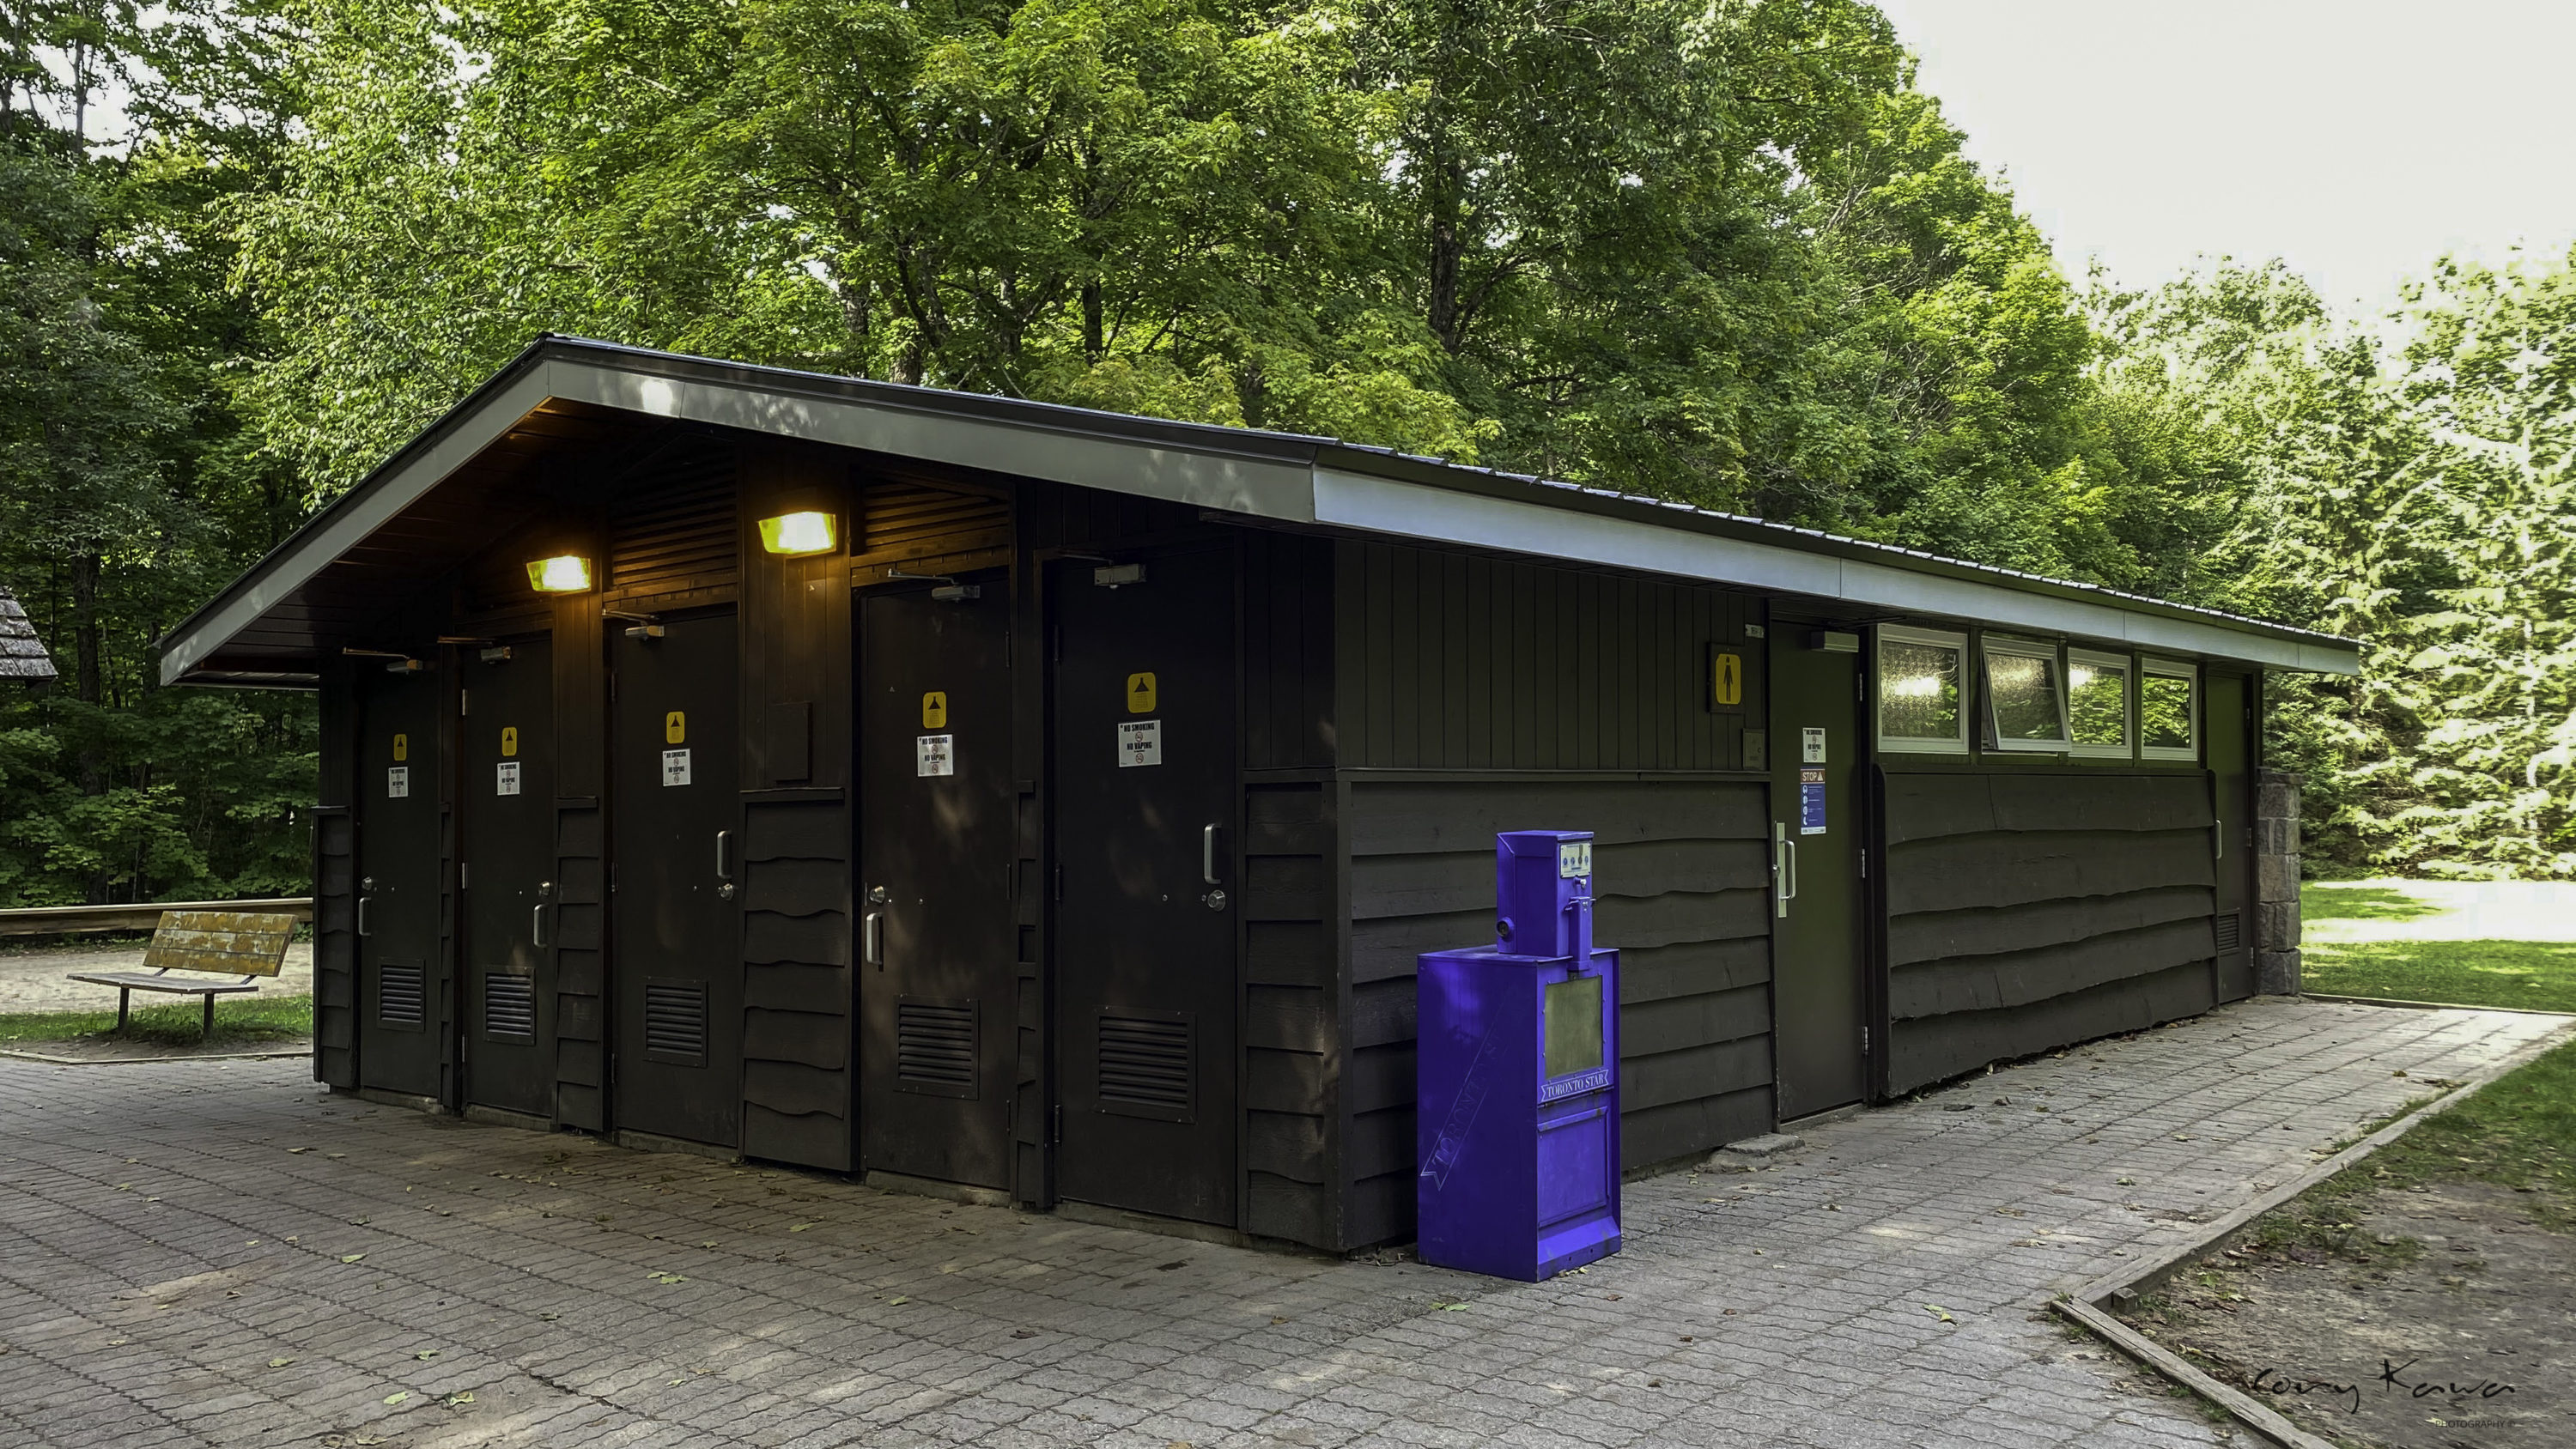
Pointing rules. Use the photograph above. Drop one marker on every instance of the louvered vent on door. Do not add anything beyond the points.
(2231, 931)
(1145, 1068)
(675, 1022)
(934, 1047)
(402, 994)
(509, 1007)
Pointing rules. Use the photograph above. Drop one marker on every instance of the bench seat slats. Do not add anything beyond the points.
(181, 985)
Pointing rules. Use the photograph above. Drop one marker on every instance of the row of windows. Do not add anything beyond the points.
(2037, 697)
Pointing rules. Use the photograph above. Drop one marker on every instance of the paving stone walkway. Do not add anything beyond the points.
(220, 1253)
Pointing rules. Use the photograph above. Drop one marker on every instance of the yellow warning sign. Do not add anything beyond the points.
(934, 710)
(402, 748)
(1725, 679)
(675, 728)
(1140, 694)
(509, 741)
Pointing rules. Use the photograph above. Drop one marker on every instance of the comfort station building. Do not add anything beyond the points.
(1044, 806)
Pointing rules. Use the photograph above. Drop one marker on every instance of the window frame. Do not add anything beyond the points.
(2185, 671)
(1928, 638)
(2013, 647)
(2127, 664)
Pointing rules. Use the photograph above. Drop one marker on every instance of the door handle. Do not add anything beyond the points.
(724, 855)
(872, 939)
(1207, 857)
(362, 915)
(537, 926)
(1784, 869)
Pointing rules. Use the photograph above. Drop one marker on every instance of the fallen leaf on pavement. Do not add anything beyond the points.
(397, 1396)
(279, 1362)
(351, 1257)
(1939, 1312)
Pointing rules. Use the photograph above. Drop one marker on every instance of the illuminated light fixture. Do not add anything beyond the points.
(565, 574)
(793, 535)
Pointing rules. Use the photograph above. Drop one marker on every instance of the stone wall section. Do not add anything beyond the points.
(2276, 882)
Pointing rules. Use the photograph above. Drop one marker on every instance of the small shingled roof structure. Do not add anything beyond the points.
(22, 655)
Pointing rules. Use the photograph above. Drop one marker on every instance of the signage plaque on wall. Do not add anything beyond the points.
(934, 755)
(1140, 742)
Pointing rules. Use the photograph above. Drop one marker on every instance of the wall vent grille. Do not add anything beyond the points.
(402, 994)
(2231, 931)
(675, 1022)
(509, 1007)
(935, 1047)
(1145, 1065)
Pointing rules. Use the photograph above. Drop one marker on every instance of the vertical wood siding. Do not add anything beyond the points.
(1681, 871)
(1455, 661)
(2028, 910)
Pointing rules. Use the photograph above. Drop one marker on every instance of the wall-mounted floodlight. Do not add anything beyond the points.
(564, 574)
(794, 535)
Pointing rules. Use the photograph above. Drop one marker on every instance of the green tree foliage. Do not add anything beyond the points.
(127, 492)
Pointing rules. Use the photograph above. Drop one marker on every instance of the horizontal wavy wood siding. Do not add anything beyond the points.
(1681, 874)
(2029, 910)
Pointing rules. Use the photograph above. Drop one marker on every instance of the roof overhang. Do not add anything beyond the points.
(1274, 477)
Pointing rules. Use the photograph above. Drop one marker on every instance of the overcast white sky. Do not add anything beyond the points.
(2358, 139)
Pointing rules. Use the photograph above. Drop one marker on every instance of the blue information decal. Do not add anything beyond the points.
(1811, 802)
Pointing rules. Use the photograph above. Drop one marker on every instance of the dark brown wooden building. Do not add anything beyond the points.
(1036, 804)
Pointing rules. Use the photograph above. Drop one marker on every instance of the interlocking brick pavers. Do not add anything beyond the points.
(162, 1241)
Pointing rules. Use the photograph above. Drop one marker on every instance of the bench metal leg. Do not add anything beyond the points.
(124, 1006)
(208, 1029)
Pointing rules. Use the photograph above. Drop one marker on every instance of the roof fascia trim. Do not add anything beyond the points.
(1198, 478)
(347, 523)
(1414, 510)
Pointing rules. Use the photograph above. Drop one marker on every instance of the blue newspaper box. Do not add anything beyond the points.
(1517, 1071)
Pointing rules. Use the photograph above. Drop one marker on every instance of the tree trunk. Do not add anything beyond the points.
(1448, 185)
(1094, 339)
(88, 685)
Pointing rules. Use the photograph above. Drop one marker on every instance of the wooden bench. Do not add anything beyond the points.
(199, 944)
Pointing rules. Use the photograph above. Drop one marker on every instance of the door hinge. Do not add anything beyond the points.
(1059, 880)
(463, 703)
(460, 875)
(1055, 644)
(1864, 865)
(1860, 689)
(1864, 1041)
(1055, 1135)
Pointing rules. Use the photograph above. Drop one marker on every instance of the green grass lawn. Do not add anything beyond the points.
(253, 1022)
(2361, 903)
(2536, 974)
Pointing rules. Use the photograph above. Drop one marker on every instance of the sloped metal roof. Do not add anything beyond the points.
(270, 625)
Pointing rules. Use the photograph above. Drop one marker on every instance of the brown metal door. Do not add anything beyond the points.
(404, 1009)
(1817, 999)
(1144, 784)
(677, 951)
(2224, 716)
(937, 933)
(506, 801)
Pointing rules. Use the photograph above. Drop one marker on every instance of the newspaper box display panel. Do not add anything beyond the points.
(1517, 1075)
